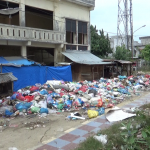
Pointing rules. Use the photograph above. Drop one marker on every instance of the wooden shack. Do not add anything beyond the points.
(85, 65)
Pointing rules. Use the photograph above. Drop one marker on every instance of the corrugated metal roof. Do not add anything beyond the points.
(7, 77)
(84, 57)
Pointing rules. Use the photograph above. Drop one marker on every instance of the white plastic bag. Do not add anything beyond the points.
(101, 138)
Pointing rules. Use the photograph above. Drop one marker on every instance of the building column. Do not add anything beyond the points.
(58, 56)
(22, 19)
(24, 51)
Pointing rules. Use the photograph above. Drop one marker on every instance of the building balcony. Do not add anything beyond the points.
(89, 3)
(18, 33)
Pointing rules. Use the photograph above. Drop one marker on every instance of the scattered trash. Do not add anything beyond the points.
(101, 138)
(93, 98)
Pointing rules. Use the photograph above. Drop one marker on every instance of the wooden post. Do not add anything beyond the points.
(1, 68)
(130, 69)
(103, 71)
(93, 72)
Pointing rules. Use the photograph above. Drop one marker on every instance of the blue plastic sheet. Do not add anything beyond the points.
(18, 61)
(59, 73)
(30, 75)
(27, 75)
(3, 60)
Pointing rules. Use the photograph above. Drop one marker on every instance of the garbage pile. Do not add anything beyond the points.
(59, 96)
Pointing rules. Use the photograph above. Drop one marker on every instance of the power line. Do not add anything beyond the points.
(116, 34)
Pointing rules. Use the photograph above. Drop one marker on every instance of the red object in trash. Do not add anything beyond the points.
(147, 82)
(20, 97)
(130, 77)
(100, 103)
(61, 94)
(29, 98)
(50, 92)
(34, 88)
(147, 76)
(110, 105)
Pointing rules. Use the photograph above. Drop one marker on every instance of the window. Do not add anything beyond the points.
(82, 32)
(83, 48)
(70, 31)
(71, 47)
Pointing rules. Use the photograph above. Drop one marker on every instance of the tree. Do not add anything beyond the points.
(122, 53)
(100, 44)
(146, 53)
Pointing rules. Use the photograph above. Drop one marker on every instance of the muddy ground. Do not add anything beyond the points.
(22, 136)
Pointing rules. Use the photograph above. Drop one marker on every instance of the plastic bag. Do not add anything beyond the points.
(101, 111)
(101, 138)
(29, 98)
(43, 92)
(92, 113)
(13, 96)
(21, 106)
(98, 103)
(44, 110)
(8, 113)
(34, 88)
(68, 104)
(43, 104)
(20, 97)
(35, 109)
(60, 106)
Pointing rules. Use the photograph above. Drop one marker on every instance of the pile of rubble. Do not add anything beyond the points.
(59, 96)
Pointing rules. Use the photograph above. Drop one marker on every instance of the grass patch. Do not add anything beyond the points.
(136, 136)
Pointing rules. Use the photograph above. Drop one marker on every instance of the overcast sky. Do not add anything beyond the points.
(105, 16)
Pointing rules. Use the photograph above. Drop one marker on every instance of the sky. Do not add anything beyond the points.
(105, 15)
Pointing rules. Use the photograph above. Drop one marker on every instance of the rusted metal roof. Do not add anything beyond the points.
(7, 77)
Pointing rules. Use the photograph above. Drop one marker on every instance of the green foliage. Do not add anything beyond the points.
(122, 53)
(135, 136)
(146, 53)
(100, 44)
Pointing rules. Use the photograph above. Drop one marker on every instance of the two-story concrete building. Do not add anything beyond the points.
(41, 30)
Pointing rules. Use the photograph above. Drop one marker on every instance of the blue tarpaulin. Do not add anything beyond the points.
(59, 73)
(30, 75)
(19, 61)
(15, 61)
(3, 60)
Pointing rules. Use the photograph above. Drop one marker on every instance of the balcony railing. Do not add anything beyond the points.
(10, 32)
(90, 3)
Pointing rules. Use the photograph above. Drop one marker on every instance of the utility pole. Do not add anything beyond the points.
(124, 27)
(131, 24)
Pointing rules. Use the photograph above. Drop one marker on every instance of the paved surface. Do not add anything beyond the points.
(73, 138)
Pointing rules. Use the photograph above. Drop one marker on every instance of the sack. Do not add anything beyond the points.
(92, 113)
